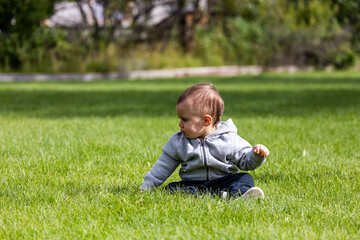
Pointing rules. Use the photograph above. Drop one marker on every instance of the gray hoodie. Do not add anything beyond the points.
(221, 153)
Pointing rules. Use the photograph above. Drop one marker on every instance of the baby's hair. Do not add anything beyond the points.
(206, 98)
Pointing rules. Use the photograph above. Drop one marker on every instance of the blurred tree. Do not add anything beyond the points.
(19, 19)
(348, 15)
(267, 32)
(182, 15)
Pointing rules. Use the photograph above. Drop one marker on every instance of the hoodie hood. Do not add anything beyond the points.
(222, 128)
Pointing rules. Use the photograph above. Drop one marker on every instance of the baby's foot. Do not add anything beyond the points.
(253, 193)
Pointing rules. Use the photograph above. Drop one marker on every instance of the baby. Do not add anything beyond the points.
(210, 151)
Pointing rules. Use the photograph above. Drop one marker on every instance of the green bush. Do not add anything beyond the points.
(344, 58)
(304, 33)
(283, 33)
(18, 21)
(44, 48)
(233, 41)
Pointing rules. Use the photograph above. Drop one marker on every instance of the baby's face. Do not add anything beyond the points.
(191, 122)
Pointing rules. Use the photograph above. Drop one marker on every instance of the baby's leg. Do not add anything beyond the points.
(192, 187)
(242, 183)
(234, 184)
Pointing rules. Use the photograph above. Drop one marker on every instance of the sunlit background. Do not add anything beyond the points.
(122, 35)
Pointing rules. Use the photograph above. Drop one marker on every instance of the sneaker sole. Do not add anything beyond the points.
(253, 193)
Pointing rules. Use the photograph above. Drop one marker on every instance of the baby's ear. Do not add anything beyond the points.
(208, 120)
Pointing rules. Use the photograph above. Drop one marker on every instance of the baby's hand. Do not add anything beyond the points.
(261, 150)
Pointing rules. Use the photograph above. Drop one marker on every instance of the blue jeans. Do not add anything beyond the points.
(234, 184)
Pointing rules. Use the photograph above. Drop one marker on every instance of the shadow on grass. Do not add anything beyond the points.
(272, 98)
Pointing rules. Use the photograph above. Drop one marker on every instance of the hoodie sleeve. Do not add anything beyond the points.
(244, 156)
(163, 168)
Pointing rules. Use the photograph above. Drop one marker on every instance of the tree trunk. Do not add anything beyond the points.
(83, 15)
(187, 25)
(96, 23)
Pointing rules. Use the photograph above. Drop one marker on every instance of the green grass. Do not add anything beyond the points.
(73, 155)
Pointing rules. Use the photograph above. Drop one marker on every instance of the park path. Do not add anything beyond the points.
(143, 74)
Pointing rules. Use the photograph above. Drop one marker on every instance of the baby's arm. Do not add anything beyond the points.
(261, 151)
(247, 157)
(164, 166)
(158, 174)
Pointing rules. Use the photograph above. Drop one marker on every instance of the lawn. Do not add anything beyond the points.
(73, 155)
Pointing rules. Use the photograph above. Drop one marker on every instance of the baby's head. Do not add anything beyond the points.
(200, 108)
(206, 100)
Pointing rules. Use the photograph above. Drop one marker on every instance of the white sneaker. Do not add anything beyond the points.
(224, 195)
(253, 193)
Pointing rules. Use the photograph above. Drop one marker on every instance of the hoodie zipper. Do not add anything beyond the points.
(205, 162)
